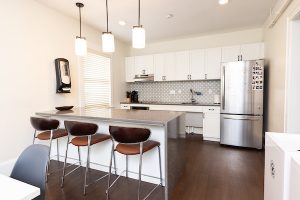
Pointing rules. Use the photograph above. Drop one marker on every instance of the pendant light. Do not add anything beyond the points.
(108, 40)
(80, 42)
(138, 33)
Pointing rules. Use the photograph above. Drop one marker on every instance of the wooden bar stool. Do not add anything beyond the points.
(47, 129)
(132, 141)
(84, 136)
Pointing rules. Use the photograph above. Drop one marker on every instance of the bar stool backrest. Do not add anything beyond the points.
(129, 135)
(44, 124)
(80, 128)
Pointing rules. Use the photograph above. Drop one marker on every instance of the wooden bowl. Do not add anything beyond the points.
(64, 108)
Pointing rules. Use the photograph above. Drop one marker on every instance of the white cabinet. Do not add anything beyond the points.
(182, 66)
(211, 123)
(279, 149)
(197, 64)
(231, 53)
(125, 106)
(253, 51)
(143, 64)
(213, 63)
(130, 70)
(164, 67)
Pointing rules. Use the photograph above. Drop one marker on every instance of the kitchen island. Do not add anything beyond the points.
(166, 127)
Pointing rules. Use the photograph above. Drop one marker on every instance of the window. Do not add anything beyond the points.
(96, 81)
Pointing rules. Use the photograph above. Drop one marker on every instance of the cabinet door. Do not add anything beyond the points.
(197, 63)
(130, 70)
(182, 65)
(211, 126)
(252, 51)
(231, 53)
(213, 63)
(159, 65)
(144, 64)
(169, 68)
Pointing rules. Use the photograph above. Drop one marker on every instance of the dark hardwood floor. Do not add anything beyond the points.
(212, 172)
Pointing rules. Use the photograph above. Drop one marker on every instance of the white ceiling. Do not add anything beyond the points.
(191, 17)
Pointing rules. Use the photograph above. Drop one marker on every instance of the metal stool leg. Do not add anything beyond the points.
(79, 156)
(109, 173)
(87, 165)
(126, 166)
(49, 156)
(57, 149)
(34, 136)
(115, 165)
(140, 169)
(160, 171)
(64, 169)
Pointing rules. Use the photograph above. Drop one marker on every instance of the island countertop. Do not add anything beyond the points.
(158, 118)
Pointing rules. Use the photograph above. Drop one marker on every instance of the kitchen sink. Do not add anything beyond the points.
(190, 103)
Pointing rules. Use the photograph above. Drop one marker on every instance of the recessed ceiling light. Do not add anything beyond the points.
(122, 23)
(169, 16)
(223, 2)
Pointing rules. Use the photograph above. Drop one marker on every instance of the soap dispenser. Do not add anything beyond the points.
(63, 77)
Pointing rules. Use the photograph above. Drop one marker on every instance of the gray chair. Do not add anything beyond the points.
(31, 167)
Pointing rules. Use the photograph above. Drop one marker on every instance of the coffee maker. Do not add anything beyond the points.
(134, 97)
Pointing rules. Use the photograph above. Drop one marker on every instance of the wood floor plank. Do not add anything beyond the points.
(212, 172)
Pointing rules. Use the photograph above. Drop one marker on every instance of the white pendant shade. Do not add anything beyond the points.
(80, 46)
(138, 37)
(108, 42)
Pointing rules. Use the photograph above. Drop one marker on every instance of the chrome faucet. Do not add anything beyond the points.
(193, 100)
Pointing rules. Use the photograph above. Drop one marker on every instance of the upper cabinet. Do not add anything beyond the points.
(213, 63)
(164, 67)
(197, 64)
(243, 52)
(200, 64)
(182, 65)
(144, 64)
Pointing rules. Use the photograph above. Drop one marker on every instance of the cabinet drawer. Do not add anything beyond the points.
(125, 106)
(212, 109)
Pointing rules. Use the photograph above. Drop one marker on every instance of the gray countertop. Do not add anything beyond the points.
(159, 118)
(175, 104)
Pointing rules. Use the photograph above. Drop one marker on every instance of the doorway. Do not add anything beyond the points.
(292, 101)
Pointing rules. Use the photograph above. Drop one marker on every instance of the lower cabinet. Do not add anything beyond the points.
(199, 119)
(211, 123)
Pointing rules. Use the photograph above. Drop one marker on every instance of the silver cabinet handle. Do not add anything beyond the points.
(223, 92)
(211, 109)
(190, 77)
(246, 119)
(241, 57)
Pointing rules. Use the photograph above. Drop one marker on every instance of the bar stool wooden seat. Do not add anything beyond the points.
(84, 136)
(132, 141)
(47, 129)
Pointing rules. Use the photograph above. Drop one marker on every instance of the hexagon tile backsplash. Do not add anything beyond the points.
(176, 92)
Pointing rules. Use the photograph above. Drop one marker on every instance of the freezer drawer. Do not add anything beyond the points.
(241, 130)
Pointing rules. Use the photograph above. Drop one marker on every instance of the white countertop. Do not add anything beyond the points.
(286, 141)
(12, 189)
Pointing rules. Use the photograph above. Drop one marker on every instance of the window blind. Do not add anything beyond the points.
(96, 81)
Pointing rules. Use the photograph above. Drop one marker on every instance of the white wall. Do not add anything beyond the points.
(31, 37)
(275, 52)
(203, 41)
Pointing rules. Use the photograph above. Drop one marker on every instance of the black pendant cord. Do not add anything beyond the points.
(139, 22)
(80, 21)
(106, 17)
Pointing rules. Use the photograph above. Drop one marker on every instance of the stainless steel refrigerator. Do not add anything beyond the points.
(242, 88)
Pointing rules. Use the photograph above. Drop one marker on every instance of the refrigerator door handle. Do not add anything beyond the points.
(223, 92)
(239, 118)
